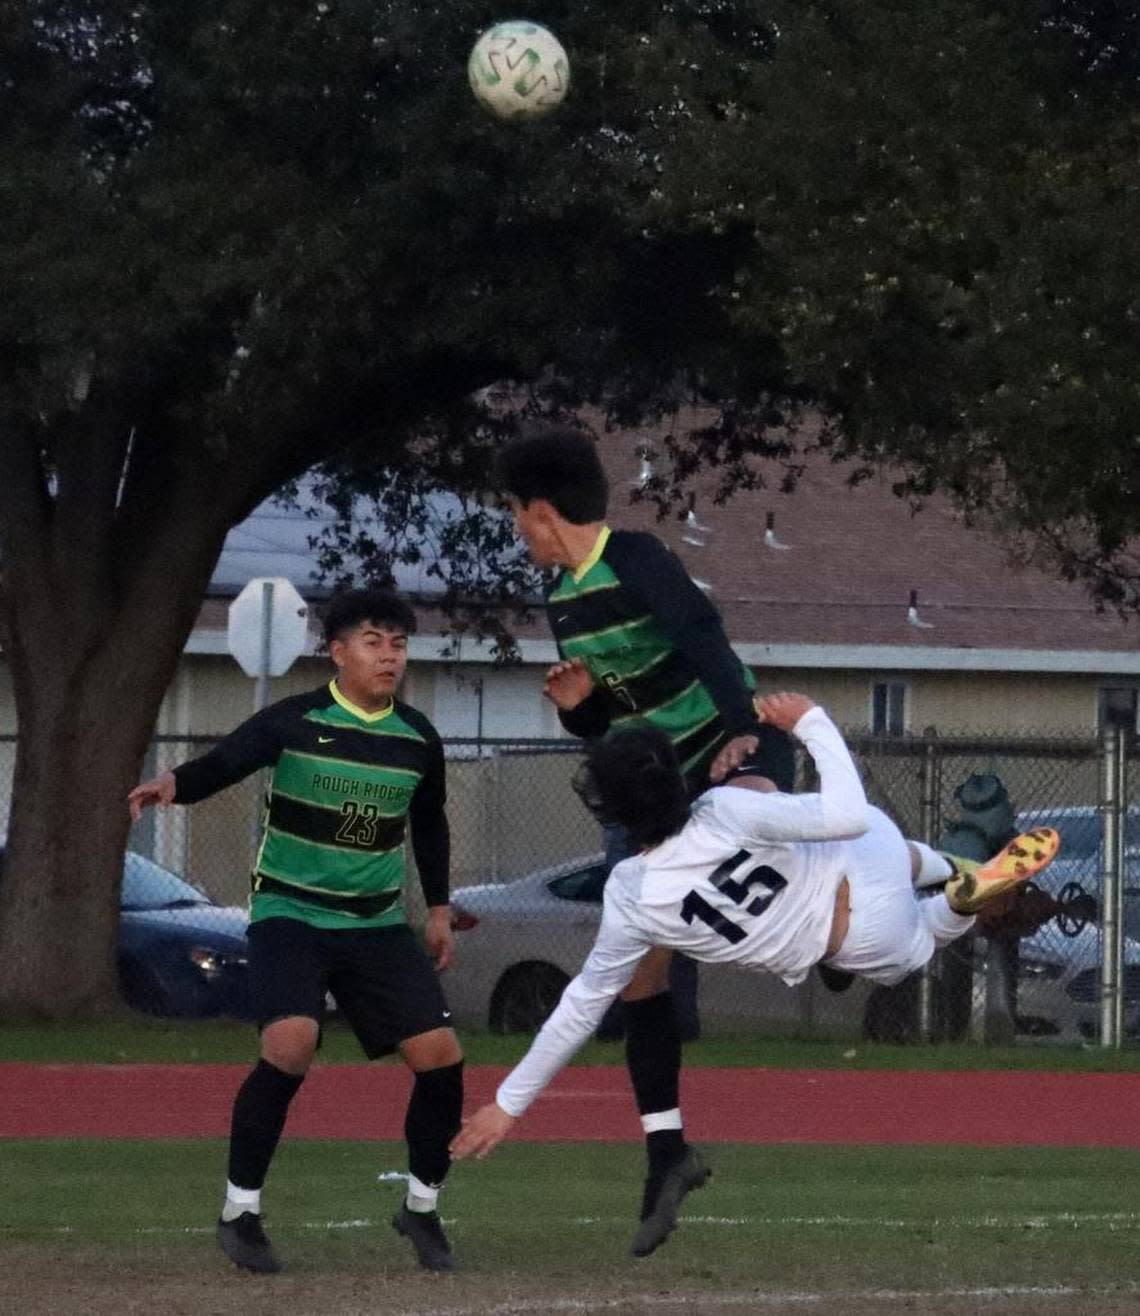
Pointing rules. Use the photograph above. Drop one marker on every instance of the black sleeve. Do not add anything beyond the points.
(650, 570)
(257, 743)
(431, 839)
(590, 718)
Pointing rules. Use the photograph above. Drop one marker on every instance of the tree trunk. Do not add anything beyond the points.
(90, 656)
(76, 758)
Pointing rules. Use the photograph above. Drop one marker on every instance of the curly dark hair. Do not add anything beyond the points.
(346, 610)
(632, 778)
(558, 463)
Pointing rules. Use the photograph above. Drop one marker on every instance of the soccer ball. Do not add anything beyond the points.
(518, 70)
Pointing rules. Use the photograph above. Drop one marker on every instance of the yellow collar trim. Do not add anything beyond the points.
(350, 707)
(595, 553)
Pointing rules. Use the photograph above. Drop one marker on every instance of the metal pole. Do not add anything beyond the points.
(261, 690)
(260, 700)
(928, 772)
(1112, 888)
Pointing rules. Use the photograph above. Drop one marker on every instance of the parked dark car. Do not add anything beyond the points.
(180, 953)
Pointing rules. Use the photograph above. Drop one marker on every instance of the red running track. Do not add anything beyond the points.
(989, 1108)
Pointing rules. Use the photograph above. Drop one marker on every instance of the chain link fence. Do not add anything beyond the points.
(527, 879)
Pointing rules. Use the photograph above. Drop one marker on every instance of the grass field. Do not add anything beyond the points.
(140, 1040)
(546, 1229)
(127, 1227)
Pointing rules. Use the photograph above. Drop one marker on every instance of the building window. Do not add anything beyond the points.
(1116, 706)
(888, 708)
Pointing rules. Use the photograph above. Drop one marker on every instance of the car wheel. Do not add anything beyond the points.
(525, 996)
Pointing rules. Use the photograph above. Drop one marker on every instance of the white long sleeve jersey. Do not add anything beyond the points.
(751, 879)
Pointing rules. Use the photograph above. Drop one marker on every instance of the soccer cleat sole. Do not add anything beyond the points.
(973, 886)
(690, 1172)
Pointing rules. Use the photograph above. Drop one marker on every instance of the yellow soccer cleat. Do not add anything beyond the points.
(974, 884)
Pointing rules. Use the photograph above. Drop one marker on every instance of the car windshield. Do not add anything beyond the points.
(584, 884)
(147, 885)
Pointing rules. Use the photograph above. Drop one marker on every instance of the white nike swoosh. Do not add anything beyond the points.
(325, 740)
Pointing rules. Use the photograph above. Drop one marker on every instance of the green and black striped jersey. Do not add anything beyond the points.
(345, 785)
(655, 647)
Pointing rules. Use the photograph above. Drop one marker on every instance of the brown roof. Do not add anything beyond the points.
(855, 555)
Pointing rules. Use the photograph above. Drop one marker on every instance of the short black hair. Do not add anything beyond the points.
(382, 607)
(559, 463)
(632, 778)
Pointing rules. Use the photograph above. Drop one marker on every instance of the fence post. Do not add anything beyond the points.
(1112, 886)
(496, 811)
(930, 823)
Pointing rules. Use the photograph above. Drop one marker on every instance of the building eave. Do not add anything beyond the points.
(841, 657)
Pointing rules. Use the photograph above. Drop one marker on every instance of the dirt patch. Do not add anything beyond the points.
(80, 1280)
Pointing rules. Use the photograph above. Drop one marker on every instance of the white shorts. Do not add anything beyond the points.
(891, 932)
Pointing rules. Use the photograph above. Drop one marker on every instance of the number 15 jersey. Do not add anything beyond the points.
(750, 879)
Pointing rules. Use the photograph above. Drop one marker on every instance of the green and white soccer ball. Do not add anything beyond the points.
(519, 70)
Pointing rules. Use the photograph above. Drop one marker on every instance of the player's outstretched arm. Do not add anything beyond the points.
(611, 964)
(482, 1132)
(158, 791)
(784, 709)
(839, 809)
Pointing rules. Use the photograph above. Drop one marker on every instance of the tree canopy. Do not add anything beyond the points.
(240, 241)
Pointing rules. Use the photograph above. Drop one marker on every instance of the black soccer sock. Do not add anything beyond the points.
(258, 1117)
(434, 1113)
(653, 1054)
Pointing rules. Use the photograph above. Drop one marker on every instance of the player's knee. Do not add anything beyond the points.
(915, 861)
(433, 1050)
(290, 1044)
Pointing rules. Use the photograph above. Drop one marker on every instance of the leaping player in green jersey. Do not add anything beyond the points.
(638, 641)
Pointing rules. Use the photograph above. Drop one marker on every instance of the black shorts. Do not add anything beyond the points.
(384, 984)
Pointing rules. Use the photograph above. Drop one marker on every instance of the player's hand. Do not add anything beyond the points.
(784, 710)
(568, 683)
(159, 790)
(439, 936)
(482, 1133)
(732, 756)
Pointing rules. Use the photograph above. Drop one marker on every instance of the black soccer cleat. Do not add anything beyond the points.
(663, 1198)
(426, 1235)
(243, 1241)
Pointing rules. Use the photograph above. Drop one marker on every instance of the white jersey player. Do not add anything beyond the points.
(751, 876)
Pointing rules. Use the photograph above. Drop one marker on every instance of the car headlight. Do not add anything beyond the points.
(1030, 966)
(211, 963)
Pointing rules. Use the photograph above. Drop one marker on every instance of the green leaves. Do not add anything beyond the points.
(294, 233)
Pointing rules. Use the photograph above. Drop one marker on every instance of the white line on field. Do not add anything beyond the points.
(756, 1301)
(1050, 1220)
(1111, 1220)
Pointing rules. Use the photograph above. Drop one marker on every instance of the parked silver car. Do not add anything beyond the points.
(1059, 966)
(522, 941)
(1080, 863)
